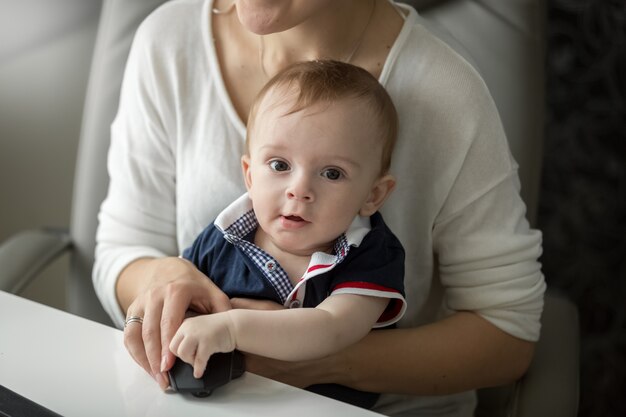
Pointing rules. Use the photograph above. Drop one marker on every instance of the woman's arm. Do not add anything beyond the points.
(291, 335)
(493, 282)
(459, 353)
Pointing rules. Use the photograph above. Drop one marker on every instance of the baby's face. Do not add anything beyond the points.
(311, 172)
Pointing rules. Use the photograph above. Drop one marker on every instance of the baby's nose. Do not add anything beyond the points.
(300, 189)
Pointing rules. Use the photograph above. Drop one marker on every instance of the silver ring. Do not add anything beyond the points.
(133, 319)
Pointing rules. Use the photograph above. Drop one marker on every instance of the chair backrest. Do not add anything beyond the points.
(119, 20)
(503, 38)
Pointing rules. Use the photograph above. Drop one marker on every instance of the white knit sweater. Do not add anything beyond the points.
(174, 165)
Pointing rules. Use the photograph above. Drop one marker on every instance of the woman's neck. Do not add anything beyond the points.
(239, 54)
(332, 33)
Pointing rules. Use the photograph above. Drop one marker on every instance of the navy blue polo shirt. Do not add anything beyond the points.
(367, 259)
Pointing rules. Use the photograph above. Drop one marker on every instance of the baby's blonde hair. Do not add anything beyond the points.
(330, 81)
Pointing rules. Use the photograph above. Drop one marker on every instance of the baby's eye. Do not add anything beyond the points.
(278, 165)
(332, 174)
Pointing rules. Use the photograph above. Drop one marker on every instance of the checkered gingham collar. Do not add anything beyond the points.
(238, 220)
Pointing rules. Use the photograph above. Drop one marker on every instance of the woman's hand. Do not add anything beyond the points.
(165, 291)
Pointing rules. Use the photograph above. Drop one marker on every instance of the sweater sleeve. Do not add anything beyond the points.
(486, 250)
(138, 217)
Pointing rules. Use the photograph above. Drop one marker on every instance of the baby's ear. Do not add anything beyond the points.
(381, 189)
(247, 173)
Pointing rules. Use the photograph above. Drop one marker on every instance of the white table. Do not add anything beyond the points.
(77, 367)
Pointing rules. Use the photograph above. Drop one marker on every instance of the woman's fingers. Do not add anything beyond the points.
(133, 341)
(151, 335)
(173, 314)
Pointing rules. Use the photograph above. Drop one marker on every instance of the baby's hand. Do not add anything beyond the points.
(200, 337)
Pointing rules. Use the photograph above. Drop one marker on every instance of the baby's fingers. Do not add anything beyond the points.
(199, 365)
(190, 352)
(175, 343)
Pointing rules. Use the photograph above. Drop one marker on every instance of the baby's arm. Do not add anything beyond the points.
(290, 335)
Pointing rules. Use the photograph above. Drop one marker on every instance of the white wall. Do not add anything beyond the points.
(45, 53)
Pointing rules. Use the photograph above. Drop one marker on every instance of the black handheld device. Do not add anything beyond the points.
(221, 369)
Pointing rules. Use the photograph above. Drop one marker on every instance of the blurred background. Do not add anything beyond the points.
(45, 53)
(582, 208)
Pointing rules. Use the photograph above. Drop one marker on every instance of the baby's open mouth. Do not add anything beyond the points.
(294, 218)
(293, 222)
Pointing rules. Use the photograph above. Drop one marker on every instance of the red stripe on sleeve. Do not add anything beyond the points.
(395, 306)
(365, 285)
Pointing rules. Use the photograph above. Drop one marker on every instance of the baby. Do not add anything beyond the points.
(307, 234)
